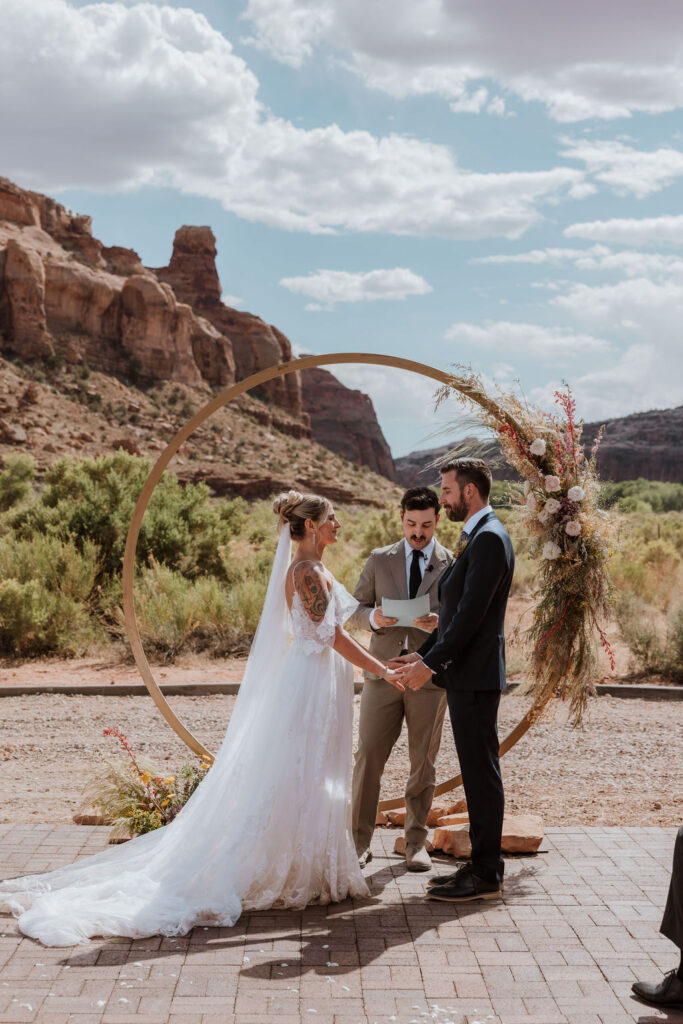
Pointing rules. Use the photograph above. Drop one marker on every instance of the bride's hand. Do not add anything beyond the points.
(392, 676)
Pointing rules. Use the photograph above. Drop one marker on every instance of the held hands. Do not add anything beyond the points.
(411, 670)
(428, 623)
(391, 675)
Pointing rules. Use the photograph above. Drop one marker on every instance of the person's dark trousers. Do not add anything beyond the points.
(474, 717)
(672, 922)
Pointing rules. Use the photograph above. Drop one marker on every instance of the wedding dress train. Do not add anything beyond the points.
(268, 827)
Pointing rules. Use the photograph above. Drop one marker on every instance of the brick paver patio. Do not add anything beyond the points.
(578, 924)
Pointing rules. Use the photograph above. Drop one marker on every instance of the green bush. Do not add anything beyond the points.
(35, 621)
(93, 500)
(15, 480)
(643, 496)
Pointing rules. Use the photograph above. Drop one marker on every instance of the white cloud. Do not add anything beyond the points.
(125, 96)
(625, 169)
(581, 60)
(639, 380)
(631, 262)
(663, 230)
(331, 286)
(549, 345)
(232, 300)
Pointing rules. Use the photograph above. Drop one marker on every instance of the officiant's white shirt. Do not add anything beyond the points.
(426, 554)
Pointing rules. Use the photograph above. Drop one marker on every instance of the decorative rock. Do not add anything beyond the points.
(91, 819)
(453, 819)
(437, 811)
(459, 807)
(381, 818)
(522, 833)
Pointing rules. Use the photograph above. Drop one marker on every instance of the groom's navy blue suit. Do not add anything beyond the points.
(467, 654)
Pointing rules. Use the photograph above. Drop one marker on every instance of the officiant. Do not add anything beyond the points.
(409, 568)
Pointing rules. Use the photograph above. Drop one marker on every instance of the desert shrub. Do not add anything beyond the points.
(653, 650)
(93, 500)
(58, 566)
(643, 496)
(15, 480)
(673, 664)
(35, 621)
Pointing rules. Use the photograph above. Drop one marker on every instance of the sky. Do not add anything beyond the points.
(460, 182)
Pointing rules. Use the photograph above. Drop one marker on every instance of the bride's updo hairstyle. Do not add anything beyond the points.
(295, 508)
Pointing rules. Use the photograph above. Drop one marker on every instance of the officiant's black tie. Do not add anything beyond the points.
(415, 574)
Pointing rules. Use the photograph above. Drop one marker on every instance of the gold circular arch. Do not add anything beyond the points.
(224, 398)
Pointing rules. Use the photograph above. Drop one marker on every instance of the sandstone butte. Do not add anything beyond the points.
(64, 293)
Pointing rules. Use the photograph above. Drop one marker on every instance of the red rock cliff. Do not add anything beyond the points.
(345, 421)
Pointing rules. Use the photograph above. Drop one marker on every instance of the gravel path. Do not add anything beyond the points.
(624, 768)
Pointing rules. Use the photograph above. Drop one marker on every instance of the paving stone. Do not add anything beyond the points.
(577, 926)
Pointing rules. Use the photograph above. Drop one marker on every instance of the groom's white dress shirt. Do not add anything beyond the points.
(473, 520)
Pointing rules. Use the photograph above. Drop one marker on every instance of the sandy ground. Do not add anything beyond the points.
(624, 768)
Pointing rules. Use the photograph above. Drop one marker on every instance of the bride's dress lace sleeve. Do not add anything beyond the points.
(313, 637)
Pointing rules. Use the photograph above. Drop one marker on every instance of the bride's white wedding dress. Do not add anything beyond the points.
(268, 827)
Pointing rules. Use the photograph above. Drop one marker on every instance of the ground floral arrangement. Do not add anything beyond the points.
(569, 533)
(136, 799)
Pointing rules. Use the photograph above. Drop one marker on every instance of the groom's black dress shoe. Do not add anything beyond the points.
(444, 879)
(465, 886)
(669, 991)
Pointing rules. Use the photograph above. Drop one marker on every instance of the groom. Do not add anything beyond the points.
(466, 656)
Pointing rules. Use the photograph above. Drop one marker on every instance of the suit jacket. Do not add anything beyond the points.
(384, 575)
(467, 650)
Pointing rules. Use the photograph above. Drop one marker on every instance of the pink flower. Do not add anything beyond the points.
(572, 528)
(552, 483)
(551, 506)
(531, 502)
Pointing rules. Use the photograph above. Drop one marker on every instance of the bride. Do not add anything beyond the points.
(269, 825)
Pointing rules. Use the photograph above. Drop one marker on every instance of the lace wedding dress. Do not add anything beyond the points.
(268, 827)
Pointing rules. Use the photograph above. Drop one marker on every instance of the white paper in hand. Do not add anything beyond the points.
(406, 611)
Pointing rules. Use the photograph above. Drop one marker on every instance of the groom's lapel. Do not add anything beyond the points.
(397, 565)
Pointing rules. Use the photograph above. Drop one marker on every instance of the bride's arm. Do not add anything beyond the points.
(357, 655)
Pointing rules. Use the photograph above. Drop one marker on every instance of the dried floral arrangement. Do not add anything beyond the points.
(570, 536)
(136, 798)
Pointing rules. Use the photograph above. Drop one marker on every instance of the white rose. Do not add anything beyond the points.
(551, 551)
(552, 483)
(531, 502)
(576, 494)
(551, 506)
(538, 447)
(573, 528)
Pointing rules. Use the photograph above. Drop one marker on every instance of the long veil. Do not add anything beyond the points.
(268, 647)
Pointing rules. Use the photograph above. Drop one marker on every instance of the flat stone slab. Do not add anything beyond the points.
(577, 925)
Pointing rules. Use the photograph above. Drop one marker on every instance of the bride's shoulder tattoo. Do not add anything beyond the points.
(312, 589)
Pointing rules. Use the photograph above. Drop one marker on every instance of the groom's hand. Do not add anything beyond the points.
(415, 675)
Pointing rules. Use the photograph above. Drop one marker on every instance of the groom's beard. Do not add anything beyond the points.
(457, 512)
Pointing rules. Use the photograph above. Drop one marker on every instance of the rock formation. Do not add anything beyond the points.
(64, 294)
(644, 444)
(345, 422)
(255, 344)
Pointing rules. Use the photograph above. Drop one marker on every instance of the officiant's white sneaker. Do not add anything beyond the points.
(417, 858)
(365, 858)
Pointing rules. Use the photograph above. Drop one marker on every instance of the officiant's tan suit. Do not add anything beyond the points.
(383, 707)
